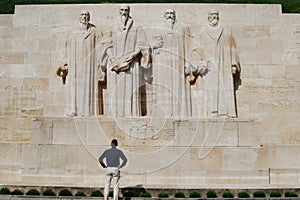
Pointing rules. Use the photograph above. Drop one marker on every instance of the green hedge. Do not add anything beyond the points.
(227, 194)
(96, 193)
(145, 194)
(275, 194)
(179, 194)
(290, 194)
(49, 192)
(80, 194)
(211, 194)
(195, 194)
(4, 191)
(33, 192)
(65, 192)
(259, 194)
(243, 195)
(163, 195)
(17, 192)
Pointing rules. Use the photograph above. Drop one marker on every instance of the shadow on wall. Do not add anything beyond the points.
(132, 191)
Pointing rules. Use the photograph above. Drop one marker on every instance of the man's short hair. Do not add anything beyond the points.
(115, 142)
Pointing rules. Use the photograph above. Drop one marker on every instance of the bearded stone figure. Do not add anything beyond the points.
(80, 65)
(215, 59)
(130, 57)
(170, 77)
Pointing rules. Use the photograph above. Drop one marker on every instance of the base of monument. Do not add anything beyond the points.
(162, 153)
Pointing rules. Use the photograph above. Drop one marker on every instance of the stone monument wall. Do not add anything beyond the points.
(259, 148)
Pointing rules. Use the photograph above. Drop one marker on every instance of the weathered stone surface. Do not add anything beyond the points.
(284, 176)
(12, 32)
(11, 58)
(40, 146)
(6, 20)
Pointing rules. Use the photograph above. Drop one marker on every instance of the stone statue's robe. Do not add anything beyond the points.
(125, 87)
(218, 54)
(82, 73)
(171, 95)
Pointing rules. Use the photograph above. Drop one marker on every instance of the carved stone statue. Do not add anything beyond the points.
(171, 88)
(82, 74)
(131, 55)
(217, 63)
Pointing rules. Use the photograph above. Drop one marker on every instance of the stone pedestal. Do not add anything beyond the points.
(168, 152)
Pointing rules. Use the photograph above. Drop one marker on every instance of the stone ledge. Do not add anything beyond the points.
(104, 118)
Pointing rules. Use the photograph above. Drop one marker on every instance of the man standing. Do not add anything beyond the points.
(216, 61)
(170, 70)
(125, 75)
(113, 166)
(79, 61)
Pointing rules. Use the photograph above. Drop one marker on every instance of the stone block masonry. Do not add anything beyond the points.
(40, 146)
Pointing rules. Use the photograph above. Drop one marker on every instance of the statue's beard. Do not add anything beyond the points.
(213, 22)
(170, 22)
(84, 22)
(124, 19)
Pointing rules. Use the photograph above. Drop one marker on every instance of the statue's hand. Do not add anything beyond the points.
(62, 71)
(132, 56)
(203, 71)
(112, 60)
(120, 67)
(158, 45)
(191, 78)
(129, 58)
(234, 69)
(65, 66)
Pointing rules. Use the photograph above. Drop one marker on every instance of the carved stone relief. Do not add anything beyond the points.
(129, 72)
